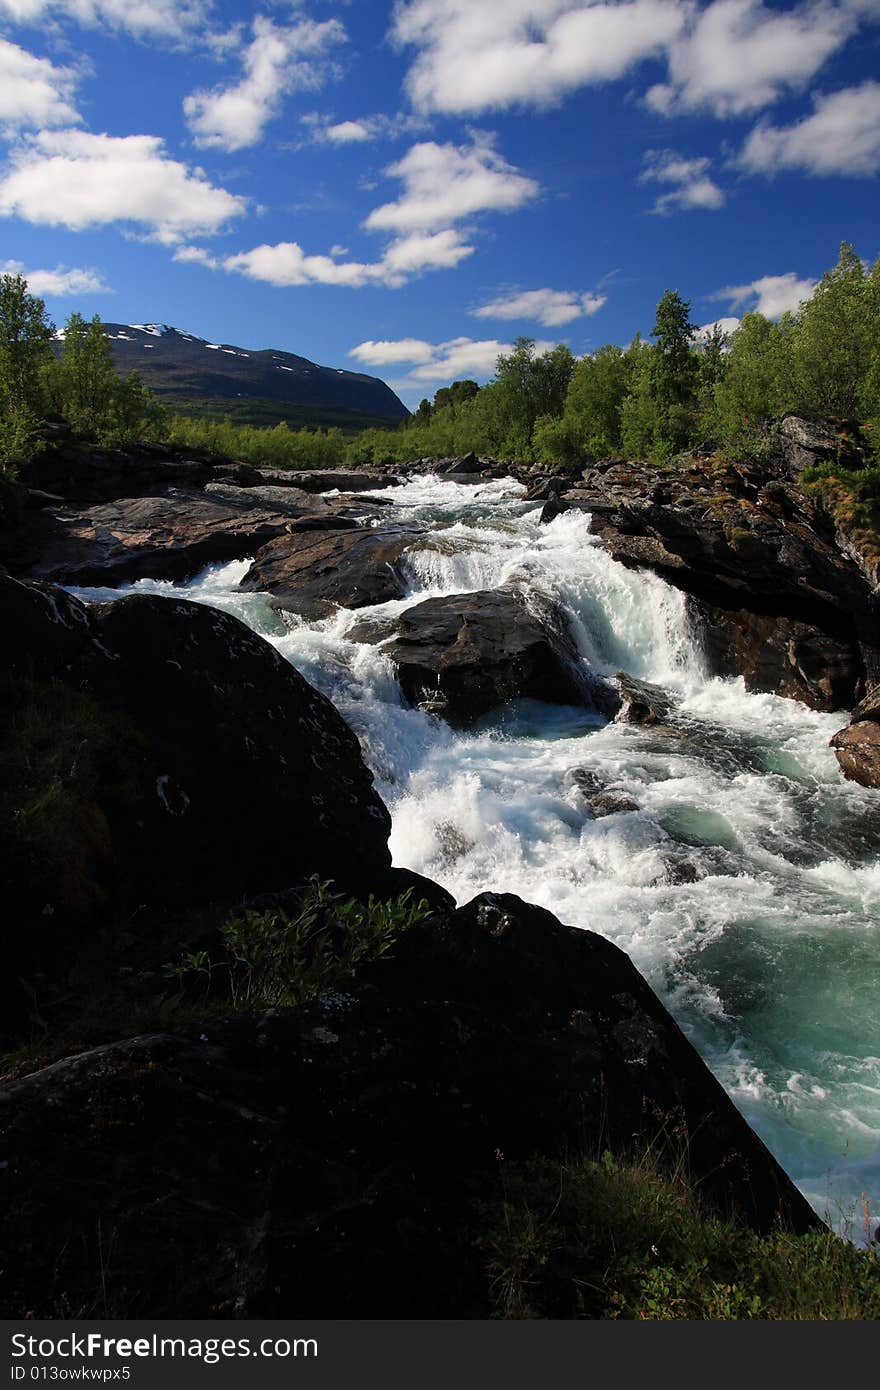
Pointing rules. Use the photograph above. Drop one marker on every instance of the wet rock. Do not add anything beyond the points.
(354, 569)
(857, 747)
(783, 657)
(641, 702)
(761, 562)
(552, 509)
(460, 655)
(331, 1162)
(602, 799)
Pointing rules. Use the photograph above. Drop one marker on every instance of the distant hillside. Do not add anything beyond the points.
(216, 379)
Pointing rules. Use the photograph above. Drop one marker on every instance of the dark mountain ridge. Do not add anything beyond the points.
(259, 387)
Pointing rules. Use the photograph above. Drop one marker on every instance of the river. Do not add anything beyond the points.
(769, 957)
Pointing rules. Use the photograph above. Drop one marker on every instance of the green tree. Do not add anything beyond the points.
(87, 381)
(25, 352)
(838, 333)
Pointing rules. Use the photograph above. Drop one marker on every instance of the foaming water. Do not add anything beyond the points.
(744, 883)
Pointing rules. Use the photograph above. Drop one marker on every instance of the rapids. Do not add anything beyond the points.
(746, 887)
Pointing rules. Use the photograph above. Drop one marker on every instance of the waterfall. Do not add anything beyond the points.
(743, 884)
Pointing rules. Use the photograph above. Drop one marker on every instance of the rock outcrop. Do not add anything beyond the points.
(331, 1162)
(857, 747)
(305, 570)
(462, 654)
(780, 601)
(223, 773)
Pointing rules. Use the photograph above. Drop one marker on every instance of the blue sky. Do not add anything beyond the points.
(406, 188)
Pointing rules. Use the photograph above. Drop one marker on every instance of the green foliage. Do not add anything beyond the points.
(275, 960)
(25, 353)
(835, 346)
(278, 447)
(613, 1239)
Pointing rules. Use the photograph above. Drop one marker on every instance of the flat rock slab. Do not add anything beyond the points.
(349, 568)
(169, 537)
(332, 479)
(462, 654)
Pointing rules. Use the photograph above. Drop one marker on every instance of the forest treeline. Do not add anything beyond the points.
(650, 400)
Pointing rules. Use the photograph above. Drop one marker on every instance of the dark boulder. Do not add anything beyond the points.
(782, 602)
(602, 799)
(783, 657)
(339, 479)
(332, 1162)
(462, 654)
(354, 569)
(641, 702)
(159, 753)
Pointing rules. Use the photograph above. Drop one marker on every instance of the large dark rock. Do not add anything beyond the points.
(341, 479)
(461, 654)
(332, 1162)
(785, 605)
(354, 569)
(233, 775)
(641, 702)
(170, 537)
(783, 656)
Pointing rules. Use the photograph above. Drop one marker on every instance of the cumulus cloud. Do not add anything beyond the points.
(727, 324)
(770, 295)
(33, 92)
(276, 62)
(324, 129)
(458, 357)
(691, 184)
(70, 178)
(59, 281)
(737, 56)
(143, 18)
(444, 183)
(285, 264)
(477, 57)
(548, 307)
(842, 136)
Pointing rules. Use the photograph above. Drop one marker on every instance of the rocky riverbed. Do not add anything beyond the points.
(611, 695)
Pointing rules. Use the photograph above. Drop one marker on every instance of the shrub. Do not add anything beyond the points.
(275, 960)
(613, 1239)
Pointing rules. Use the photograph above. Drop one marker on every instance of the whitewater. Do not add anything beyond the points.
(745, 886)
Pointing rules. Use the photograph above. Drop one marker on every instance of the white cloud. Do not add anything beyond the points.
(285, 264)
(445, 183)
(276, 62)
(348, 133)
(70, 178)
(770, 295)
(384, 353)
(59, 281)
(475, 57)
(728, 324)
(439, 361)
(740, 55)
(143, 18)
(842, 136)
(549, 307)
(692, 187)
(33, 92)
(324, 129)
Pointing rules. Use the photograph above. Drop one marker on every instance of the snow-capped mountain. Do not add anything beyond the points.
(183, 368)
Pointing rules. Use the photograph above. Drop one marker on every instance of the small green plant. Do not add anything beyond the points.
(273, 959)
(627, 1239)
